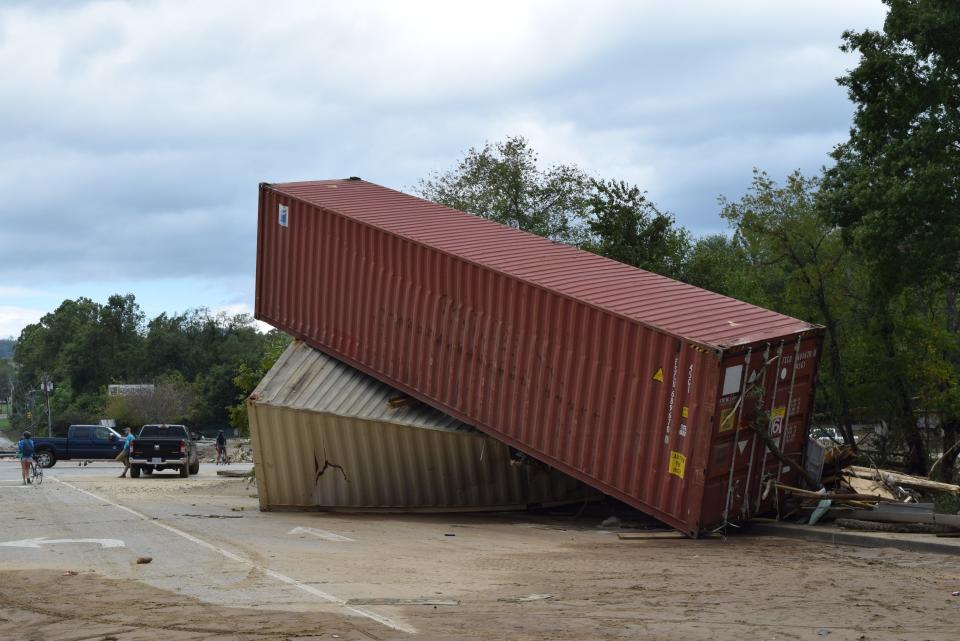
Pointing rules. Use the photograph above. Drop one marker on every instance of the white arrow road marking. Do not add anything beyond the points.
(309, 589)
(742, 445)
(35, 543)
(320, 534)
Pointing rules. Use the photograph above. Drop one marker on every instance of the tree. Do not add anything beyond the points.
(894, 188)
(627, 227)
(503, 182)
(247, 378)
(721, 264)
(781, 227)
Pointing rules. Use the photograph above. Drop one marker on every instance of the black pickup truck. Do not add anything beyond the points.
(161, 447)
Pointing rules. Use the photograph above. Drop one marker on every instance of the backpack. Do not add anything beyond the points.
(27, 447)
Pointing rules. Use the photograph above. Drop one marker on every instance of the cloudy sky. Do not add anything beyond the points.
(134, 135)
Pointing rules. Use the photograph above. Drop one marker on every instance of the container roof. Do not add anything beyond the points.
(676, 308)
(304, 378)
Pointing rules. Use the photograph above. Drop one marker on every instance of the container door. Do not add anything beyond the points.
(764, 405)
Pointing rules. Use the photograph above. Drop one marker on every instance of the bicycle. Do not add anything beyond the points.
(36, 473)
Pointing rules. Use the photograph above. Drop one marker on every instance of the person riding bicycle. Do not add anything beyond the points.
(25, 449)
(221, 448)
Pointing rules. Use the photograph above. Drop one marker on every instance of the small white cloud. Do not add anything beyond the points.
(7, 293)
(14, 319)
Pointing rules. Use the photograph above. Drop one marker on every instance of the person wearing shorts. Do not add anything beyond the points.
(124, 455)
(25, 449)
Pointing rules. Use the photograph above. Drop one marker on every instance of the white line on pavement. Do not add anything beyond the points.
(321, 534)
(309, 589)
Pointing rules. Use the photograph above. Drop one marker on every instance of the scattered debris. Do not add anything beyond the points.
(449, 534)
(143, 560)
(213, 516)
(823, 632)
(71, 573)
(891, 478)
(234, 474)
(526, 599)
(610, 522)
(650, 535)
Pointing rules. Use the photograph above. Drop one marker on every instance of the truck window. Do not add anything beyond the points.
(103, 433)
(81, 432)
(163, 431)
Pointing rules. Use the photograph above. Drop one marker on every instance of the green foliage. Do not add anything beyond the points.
(502, 182)
(627, 227)
(894, 188)
(84, 346)
(721, 264)
(247, 378)
(895, 193)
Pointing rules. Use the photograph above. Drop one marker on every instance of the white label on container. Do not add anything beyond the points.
(283, 216)
(731, 380)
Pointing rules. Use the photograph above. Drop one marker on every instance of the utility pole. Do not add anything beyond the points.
(47, 387)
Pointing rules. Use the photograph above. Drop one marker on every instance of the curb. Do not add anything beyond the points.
(834, 537)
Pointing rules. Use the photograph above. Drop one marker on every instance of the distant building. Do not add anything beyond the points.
(130, 390)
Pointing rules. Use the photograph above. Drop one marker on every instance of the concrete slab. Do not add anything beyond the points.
(828, 533)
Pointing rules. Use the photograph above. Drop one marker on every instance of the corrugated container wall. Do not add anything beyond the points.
(641, 386)
(326, 436)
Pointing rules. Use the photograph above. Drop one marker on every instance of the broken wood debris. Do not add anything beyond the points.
(897, 528)
(897, 478)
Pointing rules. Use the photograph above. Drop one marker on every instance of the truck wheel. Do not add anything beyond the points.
(134, 471)
(184, 471)
(46, 458)
(195, 467)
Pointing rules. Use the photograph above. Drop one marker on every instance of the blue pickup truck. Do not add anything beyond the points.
(85, 442)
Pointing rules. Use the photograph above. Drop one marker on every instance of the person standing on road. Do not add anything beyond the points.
(124, 455)
(221, 448)
(25, 449)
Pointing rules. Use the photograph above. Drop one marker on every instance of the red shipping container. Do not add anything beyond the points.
(641, 386)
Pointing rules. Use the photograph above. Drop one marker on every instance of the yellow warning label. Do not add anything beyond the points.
(779, 412)
(685, 412)
(658, 375)
(678, 464)
(727, 419)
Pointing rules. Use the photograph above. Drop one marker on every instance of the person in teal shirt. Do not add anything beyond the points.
(124, 455)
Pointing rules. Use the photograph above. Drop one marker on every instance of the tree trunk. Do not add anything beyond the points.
(837, 370)
(950, 425)
(905, 421)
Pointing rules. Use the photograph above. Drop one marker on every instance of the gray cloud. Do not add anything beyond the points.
(135, 134)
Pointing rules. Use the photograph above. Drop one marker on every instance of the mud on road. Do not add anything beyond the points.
(503, 576)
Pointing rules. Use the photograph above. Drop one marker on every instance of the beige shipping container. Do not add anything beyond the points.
(326, 436)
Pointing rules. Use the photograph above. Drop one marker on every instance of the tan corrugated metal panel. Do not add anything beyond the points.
(382, 465)
(324, 437)
(307, 379)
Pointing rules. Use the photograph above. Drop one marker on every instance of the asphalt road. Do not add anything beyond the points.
(69, 522)
(223, 570)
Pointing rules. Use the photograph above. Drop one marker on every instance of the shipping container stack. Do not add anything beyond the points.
(683, 403)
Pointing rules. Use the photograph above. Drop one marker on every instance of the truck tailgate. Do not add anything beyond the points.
(163, 449)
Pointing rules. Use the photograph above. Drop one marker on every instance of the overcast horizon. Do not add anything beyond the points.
(136, 133)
